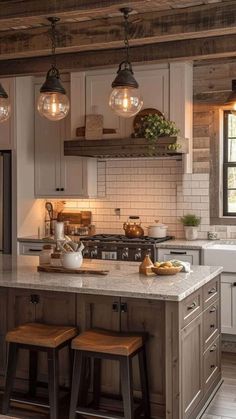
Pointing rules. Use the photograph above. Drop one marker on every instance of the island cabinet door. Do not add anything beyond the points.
(191, 370)
(104, 313)
(21, 309)
(56, 308)
(148, 316)
(3, 330)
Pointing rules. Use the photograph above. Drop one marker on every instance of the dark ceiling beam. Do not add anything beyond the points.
(107, 33)
(18, 9)
(195, 49)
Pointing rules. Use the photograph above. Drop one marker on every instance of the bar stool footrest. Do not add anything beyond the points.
(97, 414)
(28, 401)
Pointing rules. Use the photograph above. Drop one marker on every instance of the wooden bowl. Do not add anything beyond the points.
(167, 271)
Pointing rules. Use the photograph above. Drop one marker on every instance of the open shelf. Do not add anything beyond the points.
(125, 148)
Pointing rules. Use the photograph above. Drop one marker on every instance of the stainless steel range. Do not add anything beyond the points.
(119, 247)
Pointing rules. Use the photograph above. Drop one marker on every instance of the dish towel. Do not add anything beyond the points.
(186, 265)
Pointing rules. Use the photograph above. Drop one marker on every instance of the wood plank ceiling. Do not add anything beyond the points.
(92, 30)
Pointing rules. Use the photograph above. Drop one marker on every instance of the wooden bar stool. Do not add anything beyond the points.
(37, 337)
(98, 345)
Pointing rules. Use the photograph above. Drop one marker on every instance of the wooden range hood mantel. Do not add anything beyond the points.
(125, 148)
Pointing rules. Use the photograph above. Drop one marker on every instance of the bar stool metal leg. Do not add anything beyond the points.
(10, 375)
(33, 372)
(53, 384)
(127, 386)
(76, 383)
(144, 383)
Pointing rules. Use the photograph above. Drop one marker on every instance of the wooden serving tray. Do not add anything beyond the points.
(61, 270)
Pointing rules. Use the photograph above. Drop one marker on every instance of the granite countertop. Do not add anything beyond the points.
(184, 244)
(123, 279)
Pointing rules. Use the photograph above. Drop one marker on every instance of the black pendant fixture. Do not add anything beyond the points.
(5, 108)
(125, 98)
(53, 102)
(231, 101)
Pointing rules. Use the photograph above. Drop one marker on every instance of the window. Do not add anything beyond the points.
(229, 165)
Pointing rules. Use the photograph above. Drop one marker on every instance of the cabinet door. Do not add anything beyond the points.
(21, 310)
(154, 88)
(191, 256)
(98, 89)
(3, 329)
(228, 304)
(59, 309)
(73, 176)
(7, 127)
(48, 146)
(101, 312)
(191, 366)
(148, 316)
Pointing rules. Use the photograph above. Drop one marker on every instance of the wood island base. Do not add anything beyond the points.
(183, 351)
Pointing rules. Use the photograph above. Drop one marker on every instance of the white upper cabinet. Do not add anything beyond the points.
(90, 93)
(7, 127)
(57, 175)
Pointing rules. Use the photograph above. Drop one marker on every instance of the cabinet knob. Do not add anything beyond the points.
(212, 366)
(62, 189)
(212, 326)
(212, 291)
(115, 306)
(123, 307)
(34, 299)
(192, 306)
(213, 310)
(234, 284)
(57, 189)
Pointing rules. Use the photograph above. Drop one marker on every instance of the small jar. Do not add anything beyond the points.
(45, 254)
(56, 259)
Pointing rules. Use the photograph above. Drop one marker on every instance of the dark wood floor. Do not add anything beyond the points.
(223, 406)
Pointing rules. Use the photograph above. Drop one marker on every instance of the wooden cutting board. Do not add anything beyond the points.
(80, 271)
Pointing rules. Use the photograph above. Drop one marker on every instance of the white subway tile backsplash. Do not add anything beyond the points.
(152, 189)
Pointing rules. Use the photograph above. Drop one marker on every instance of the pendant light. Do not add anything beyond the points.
(53, 102)
(125, 99)
(231, 101)
(5, 107)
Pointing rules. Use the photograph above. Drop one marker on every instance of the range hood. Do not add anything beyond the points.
(126, 148)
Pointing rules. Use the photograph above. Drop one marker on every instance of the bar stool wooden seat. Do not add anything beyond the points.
(37, 337)
(98, 345)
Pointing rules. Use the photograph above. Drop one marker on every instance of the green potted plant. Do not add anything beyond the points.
(191, 223)
(154, 126)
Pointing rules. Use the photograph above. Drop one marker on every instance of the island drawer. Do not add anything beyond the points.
(191, 307)
(211, 363)
(211, 291)
(211, 323)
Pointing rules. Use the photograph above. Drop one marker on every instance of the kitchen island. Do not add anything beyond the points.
(181, 314)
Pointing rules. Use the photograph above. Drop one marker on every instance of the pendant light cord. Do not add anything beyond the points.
(126, 38)
(53, 39)
(53, 20)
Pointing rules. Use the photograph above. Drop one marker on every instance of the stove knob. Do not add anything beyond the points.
(94, 252)
(125, 253)
(86, 252)
(149, 252)
(138, 254)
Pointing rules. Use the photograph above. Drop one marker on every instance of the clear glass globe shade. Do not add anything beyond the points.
(125, 102)
(5, 109)
(53, 106)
